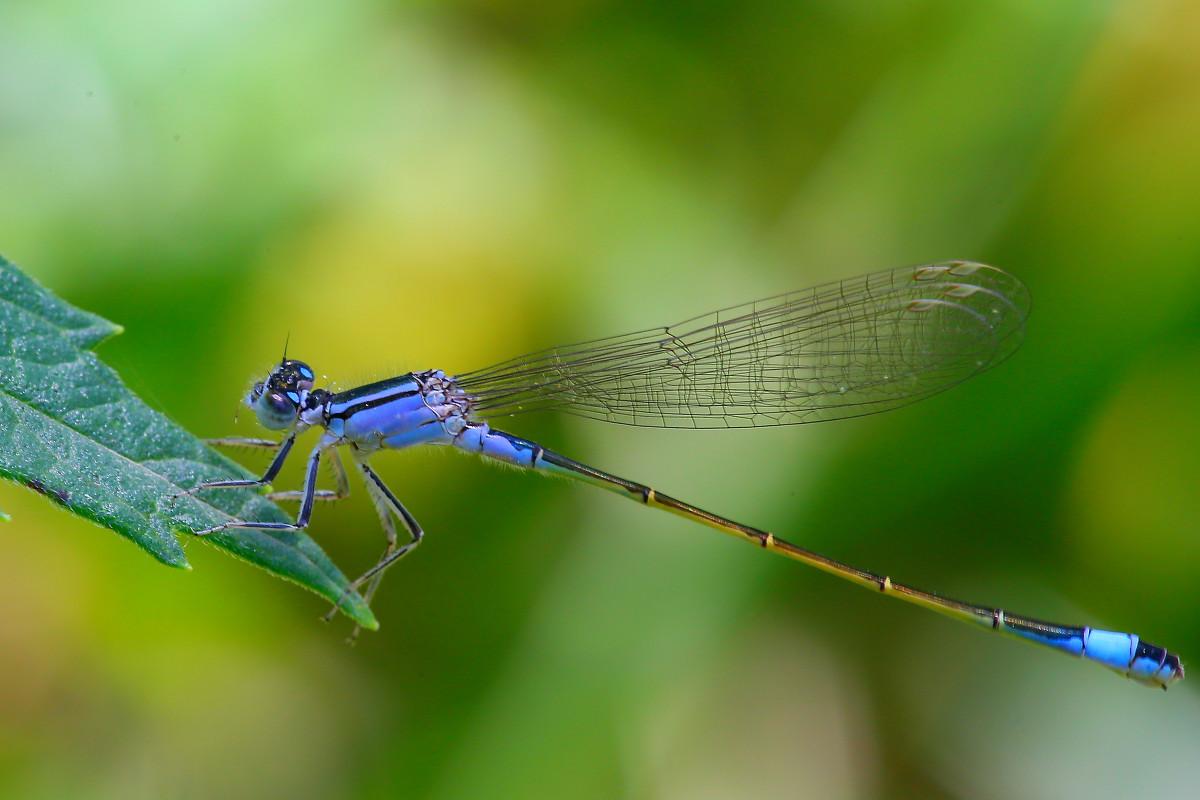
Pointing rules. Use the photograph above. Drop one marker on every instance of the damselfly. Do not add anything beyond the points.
(839, 350)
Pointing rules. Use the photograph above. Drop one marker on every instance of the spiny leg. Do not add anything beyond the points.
(379, 490)
(306, 505)
(241, 441)
(285, 447)
(410, 523)
(335, 463)
(342, 483)
(383, 509)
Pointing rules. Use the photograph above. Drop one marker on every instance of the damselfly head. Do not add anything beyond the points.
(277, 401)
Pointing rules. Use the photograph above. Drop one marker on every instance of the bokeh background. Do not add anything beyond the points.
(414, 185)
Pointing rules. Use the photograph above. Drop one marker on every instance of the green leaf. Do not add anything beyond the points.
(72, 431)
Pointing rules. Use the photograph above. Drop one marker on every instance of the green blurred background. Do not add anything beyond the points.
(413, 185)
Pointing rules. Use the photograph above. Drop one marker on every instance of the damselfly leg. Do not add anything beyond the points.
(242, 441)
(307, 494)
(341, 479)
(340, 491)
(388, 506)
(285, 447)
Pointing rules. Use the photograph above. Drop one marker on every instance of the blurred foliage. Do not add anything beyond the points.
(410, 185)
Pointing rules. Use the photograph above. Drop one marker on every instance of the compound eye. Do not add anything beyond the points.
(281, 404)
(299, 367)
(276, 409)
(297, 374)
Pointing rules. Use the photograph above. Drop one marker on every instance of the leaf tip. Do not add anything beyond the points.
(180, 562)
(171, 554)
(357, 610)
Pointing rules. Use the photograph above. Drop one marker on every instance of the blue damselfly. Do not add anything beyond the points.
(839, 350)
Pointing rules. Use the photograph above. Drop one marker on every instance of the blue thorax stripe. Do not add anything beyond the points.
(343, 405)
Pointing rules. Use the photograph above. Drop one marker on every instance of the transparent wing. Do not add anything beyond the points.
(843, 349)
